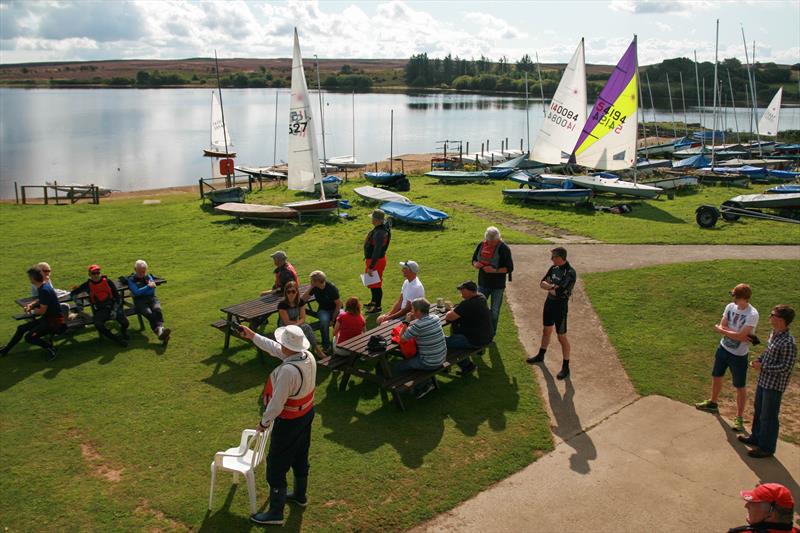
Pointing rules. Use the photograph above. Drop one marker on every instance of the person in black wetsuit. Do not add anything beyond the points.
(375, 246)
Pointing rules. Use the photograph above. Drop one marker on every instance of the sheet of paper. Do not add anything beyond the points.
(368, 280)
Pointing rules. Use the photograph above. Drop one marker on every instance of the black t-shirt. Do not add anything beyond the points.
(326, 297)
(495, 281)
(47, 296)
(564, 278)
(475, 322)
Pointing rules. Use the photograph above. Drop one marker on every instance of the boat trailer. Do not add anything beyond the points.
(707, 215)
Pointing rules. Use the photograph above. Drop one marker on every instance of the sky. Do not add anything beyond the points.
(70, 30)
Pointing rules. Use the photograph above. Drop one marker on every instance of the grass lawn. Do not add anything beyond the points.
(665, 335)
(105, 438)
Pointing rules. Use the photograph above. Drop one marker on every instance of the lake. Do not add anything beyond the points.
(132, 139)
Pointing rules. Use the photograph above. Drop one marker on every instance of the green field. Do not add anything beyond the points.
(107, 438)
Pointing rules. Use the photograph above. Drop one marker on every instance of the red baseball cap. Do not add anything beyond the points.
(93, 268)
(770, 493)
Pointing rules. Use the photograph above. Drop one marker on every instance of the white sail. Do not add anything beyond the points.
(566, 114)
(219, 131)
(304, 169)
(768, 125)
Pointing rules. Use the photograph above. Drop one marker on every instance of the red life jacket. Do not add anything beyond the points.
(489, 254)
(100, 292)
(294, 407)
(291, 269)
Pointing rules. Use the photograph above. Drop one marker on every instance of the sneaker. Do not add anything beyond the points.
(738, 424)
(164, 334)
(535, 359)
(708, 406)
(564, 374)
(159, 331)
(51, 354)
(425, 391)
(374, 309)
(369, 306)
(267, 518)
(468, 370)
(758, 453)
(750, 441)
(122, 341)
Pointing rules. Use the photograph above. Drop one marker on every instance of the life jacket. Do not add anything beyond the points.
(100, 292)
(370, 244)
(489, 255)
(287, 266)
(296, 405)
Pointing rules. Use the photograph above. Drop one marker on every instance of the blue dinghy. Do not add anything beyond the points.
(413, 213)
(384, 178)
(574, 196)
(784, 189)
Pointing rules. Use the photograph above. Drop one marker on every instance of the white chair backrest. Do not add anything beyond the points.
(258, 447)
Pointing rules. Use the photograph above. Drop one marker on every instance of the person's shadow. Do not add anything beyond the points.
(222, 519)
(568, 425)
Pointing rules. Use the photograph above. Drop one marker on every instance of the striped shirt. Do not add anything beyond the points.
(431, 345)
(777, 361)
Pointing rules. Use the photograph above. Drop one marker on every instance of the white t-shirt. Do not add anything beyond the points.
(737, 320)
(411, 291)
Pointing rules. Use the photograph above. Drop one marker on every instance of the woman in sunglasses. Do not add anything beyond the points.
(292, 312)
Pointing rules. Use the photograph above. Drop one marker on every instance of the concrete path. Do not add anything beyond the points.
(621, 463)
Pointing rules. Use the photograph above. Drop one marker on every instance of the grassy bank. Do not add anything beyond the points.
(665, 335)
(106, 438)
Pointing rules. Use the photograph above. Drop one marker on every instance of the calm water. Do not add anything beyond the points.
(140, 139)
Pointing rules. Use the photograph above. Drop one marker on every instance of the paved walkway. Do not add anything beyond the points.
(621, 462)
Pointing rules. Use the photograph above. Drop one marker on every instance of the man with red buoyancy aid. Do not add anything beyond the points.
(375, 246)
(288, 398)
(492, 258)
(106, 304)
(284, 273)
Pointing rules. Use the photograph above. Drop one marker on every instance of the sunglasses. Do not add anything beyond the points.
(47, 271)
(95, 273)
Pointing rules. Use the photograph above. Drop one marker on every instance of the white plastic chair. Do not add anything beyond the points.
(241, 460)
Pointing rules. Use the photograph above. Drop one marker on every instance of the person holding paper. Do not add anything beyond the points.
(375, 246)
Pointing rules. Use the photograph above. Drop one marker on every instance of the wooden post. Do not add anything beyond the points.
(200, 184)
(55, 189)
(476, 157)
(520, 144)
(45, 196)
(467, 146)
(23, 194)
(16, 192)
(506, 143)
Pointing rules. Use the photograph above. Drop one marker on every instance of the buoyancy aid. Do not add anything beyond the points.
(370, 243)
(489, 254)
(302, 401)
(100, 293)
(288, 266)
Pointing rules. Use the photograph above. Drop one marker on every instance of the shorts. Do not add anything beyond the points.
(737, 363)
(555, 314)
(380, 266)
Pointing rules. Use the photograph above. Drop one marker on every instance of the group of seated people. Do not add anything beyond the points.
(48, 315)
(470, 320)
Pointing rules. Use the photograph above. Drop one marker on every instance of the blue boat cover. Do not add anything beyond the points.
(696, 161)
(708, 135)
(332, 179)
(499, 173)
(417, 214)
(784, 189)
(606, 175)
(785, 174)
(383, 177)
(744, 170)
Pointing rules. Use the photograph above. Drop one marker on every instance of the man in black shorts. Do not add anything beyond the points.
(558, 282)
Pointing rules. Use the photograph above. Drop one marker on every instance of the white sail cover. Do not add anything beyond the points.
(219, 131)
(304, 169)
(566, 114)
(768, 125)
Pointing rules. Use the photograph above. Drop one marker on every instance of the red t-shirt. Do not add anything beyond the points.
(349, 326)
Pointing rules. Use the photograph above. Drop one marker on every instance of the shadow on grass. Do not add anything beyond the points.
(273, 240)
(568, 425)
(651, 212)
(768, 470)
(234, 377)
(224, 520)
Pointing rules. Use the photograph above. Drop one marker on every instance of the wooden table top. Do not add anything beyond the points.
(358, 344)
(264, 305)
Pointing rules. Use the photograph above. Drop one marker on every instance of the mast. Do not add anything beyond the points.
(751, 75)
(644, 122)
(683, 100)
(391, 140)
(541, 87)
(714, 130)
(747, 103)
(275, 139)
(636, 129)
(354, 126)
(671, 109)
(322, 125)
(222, 111)
(733, 103)
(652, 103)
(527, 115)
(699, 104)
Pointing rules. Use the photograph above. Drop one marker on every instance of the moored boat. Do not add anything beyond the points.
(375, 194)
(619, 187)
(256, 211)
(549, 195)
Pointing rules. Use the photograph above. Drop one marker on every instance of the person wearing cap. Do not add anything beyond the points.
(411, 290)
(375, 246)
(770, 508)
(47, 317)
(470, 323)
(284, 273)
(288, 398)
(329, 303)
(775, 370)
(558, 282)
(106, 304)
(143, 288)
(492, 258)
(427, 331)
(738, 323)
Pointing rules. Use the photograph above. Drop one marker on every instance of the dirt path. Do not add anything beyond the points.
(654, 454)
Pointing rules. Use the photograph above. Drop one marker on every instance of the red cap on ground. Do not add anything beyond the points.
(93, 268)
(770, 493)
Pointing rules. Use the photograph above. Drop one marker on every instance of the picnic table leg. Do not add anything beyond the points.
(387, 376)
(227, 333)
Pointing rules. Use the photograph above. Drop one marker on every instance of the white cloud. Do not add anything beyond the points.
(648, 7)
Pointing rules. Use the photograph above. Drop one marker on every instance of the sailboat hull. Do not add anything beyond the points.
(616, 186)
(314, 206)
(216, 153)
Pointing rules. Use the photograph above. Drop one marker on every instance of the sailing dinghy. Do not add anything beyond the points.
(374, 194)
(221, 144)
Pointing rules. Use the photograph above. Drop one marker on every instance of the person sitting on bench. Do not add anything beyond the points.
(412, 288)
(471, 323)
(349, 324)
(50, 317)
(143, 289)
(329, 304)
(292, 312)
(431, 345)
(46, 272)
(106, 304)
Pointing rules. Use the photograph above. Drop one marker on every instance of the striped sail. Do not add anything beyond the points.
(608, 139)
(768, 125)
(566, 114)
(304, 169)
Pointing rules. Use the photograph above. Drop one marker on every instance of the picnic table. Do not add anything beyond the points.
(360, 354)
(259, 310)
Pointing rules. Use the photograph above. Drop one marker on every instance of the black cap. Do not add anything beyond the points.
(469, 285)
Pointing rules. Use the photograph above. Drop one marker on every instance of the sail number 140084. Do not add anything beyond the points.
(562, 116)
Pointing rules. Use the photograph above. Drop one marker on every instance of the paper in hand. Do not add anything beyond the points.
(368, 279)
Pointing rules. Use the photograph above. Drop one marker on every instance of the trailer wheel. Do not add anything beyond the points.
(706, 216)
(728, 216)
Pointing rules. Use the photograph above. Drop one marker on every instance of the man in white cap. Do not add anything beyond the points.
(288, 398)
(411, 290)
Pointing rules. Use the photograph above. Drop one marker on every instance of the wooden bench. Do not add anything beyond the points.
(409, 380)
